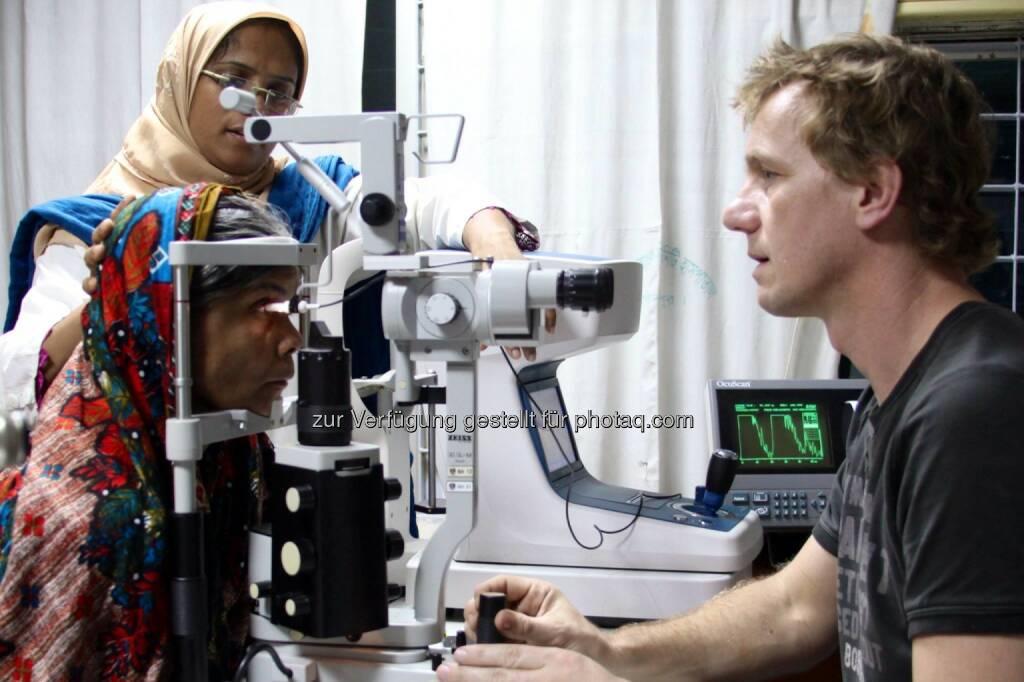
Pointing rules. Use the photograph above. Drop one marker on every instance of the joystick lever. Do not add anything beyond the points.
(488, 606)
(721, 472)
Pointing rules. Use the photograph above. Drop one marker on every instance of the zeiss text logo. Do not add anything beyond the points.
(732, 384)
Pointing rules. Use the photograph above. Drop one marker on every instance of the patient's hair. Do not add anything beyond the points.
(870, 99)
(237, 216)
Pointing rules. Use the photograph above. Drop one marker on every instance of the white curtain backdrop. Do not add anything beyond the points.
(608, 123)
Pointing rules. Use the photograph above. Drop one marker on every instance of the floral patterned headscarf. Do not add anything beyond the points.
(83, 524)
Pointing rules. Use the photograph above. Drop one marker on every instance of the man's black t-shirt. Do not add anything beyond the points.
(925, 516)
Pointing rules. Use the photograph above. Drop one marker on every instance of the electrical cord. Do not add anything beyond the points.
(300, 305)
(296, 302)
(572, 475)
(243, 669)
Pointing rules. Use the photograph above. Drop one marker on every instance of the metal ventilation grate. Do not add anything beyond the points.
(995, 67)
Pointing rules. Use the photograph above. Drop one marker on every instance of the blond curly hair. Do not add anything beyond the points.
(878, 98)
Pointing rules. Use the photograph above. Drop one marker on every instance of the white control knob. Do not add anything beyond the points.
(298, 498)
(441, 308)
(296, 605)
(297, 557)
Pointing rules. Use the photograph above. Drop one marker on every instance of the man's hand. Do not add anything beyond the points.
(501, 662)
(95, 254)
(538, 614)
(489, 234)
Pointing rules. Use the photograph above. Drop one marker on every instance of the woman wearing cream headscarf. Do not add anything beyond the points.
(184, 136)
(161, 148)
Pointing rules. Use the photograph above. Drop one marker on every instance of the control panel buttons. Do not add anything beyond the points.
(784, 508)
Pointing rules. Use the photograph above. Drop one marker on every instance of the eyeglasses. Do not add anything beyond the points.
(270, 102)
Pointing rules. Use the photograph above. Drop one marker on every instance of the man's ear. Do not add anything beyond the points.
(878, 196)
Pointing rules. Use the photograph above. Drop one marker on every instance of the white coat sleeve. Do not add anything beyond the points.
(437, 210)
(56, 290)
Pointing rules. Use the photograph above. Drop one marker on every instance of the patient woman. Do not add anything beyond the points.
(83, 524)
(185, 136)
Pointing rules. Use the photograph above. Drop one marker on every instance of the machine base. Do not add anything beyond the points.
(601, 594)
(311, 663)
(405, 639)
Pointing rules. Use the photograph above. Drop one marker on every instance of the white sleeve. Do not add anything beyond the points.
(437, 210)
(56, 291)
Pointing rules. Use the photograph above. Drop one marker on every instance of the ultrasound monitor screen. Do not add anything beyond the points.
(776, 430)
(782, 434)
(552, 415)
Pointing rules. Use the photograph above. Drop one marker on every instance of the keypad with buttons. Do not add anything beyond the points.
(783, 508)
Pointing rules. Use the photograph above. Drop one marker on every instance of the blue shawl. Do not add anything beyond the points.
(80, 215)
(290, 192)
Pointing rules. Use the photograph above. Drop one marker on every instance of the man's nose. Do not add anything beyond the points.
(741, 214)
(290, 339)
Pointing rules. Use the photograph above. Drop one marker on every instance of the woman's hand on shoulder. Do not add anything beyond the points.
(95, 254)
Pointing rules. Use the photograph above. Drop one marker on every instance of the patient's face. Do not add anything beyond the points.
(262, 54)
(242, 357)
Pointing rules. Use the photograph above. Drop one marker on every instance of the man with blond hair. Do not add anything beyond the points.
(864, 159)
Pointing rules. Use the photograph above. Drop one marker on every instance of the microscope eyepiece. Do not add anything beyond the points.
(586, 289)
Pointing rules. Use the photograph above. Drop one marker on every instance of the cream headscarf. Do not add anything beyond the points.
(159, 150)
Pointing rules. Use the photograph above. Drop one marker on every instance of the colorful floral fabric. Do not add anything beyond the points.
(83, 524)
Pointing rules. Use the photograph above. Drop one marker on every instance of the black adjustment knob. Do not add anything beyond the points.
(377, 209)
(392, 489)
(295, 605)
(260, 589)
(260, 129)
(299, 497)
(721, 472)
(298, 557)
(395, 592)
(488, 606)
(394, 544)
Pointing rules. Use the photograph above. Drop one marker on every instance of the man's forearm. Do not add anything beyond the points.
(490, 233)
(749, 632)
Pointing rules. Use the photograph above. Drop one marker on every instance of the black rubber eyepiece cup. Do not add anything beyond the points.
(586, 289)
(488, 606)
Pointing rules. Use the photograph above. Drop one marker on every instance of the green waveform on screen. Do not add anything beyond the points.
(784, 433)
